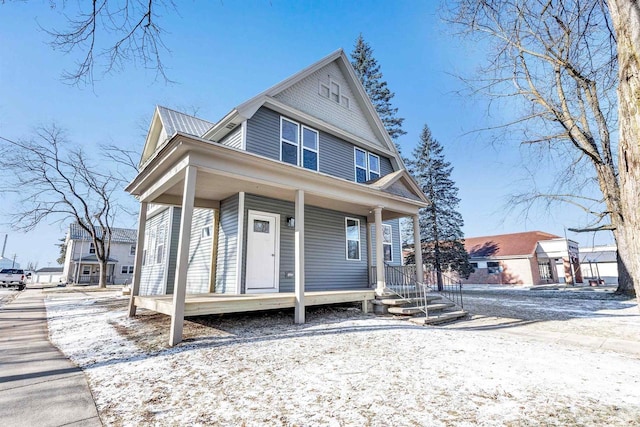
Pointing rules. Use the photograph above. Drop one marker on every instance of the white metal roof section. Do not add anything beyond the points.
(175, 121)
(121, 235)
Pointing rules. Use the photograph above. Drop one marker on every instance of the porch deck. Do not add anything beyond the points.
(203, 304)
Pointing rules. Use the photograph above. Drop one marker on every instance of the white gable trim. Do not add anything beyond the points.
(248, 108)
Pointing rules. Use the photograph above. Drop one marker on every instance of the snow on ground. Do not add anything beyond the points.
(346, 368)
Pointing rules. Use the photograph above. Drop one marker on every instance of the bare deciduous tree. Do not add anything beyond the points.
(557, 61)
(625, 16)
(51, 180)
(108, 34)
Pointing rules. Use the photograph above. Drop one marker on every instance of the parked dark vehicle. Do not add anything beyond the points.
(13, 276)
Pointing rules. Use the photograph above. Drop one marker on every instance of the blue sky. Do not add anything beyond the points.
(222, 53)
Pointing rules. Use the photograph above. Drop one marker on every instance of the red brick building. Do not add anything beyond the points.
(529, 258)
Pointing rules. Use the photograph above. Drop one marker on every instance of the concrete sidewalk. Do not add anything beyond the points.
(39, 386)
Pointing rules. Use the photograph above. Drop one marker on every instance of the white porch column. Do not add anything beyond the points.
(180, 286)
(380, 279)
(369, 253)
(137, 263)
(417, 249)
(299, 257)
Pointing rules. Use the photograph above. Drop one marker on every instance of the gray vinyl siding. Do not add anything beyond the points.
(385, 166)
(199, 266)
(233, 138)
(336, 157)
(173, 248)
(227, 246)
(263, 134)
(153, 279)
(326, 265)
(396, 242)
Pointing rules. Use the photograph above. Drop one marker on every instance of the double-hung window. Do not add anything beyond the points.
(299, 144)
(92, 248)
(387, 242)
(374, 166)
(352, 232)
(289, 141)
(309, 148)
(361, 165)
(367, 165)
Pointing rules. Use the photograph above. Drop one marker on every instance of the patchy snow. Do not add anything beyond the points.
(346, 368)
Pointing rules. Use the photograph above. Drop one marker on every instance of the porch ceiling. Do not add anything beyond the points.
(223, 172)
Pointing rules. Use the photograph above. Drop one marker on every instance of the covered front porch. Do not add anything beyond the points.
(189, 172)
(211, 303)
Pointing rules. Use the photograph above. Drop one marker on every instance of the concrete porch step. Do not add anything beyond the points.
(415, 309)
(403, 301)
(445, 317)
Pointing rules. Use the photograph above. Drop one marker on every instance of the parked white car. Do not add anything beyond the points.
(13, 276)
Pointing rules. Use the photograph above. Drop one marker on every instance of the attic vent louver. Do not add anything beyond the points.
(230, 126)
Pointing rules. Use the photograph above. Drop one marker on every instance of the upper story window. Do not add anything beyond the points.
(367, 165)
(291, 151)
(334, 92)
(92, 248)
(132, 250)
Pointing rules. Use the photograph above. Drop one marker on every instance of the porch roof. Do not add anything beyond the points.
(92, 259)
(224, 171)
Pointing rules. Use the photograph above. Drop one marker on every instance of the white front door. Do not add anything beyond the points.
(262, 252)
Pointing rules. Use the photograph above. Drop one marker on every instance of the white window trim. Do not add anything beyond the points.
(341, 95)
(92, 248)
(346, 239)
(206, 232)
(356, 166)
(302, 147)
(132, 250)
(283, 140)
(390, 243)
(369, 170)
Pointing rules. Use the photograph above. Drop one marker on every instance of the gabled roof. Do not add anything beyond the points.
(175, 121)
(248, 108)
(506, 245)
(400, 183)
(166, 123)
(118, 235)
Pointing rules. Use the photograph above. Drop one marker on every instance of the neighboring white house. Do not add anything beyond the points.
(600, 263)
(81, 264)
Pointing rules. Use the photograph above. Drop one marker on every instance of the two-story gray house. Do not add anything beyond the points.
(296, 192)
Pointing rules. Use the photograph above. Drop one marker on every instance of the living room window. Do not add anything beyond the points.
(352, 232)
(387, 242)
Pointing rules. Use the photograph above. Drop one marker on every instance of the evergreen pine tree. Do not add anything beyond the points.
(368, 71)
(440, 223)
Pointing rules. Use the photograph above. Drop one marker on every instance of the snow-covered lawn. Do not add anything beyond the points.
(347, 368)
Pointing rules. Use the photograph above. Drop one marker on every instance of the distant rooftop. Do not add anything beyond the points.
(118, 235)
(502, 245)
